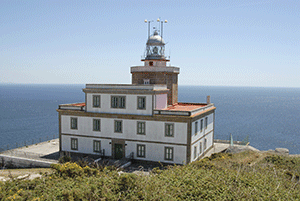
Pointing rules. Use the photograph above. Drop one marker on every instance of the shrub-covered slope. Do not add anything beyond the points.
(243, 176)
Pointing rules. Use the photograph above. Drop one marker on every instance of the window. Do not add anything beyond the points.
(118, 126)
(141, 150)
(206, 122)
(196, 127)
(96, 101)
(201, 125)
(169, 130)
(205, 143)
(141, 103)
(141, 128)
(200, 148)
(146, 81)
(96, 124)
(195, 152)
(73, 123)
(74, 143)
(97, 146)
(169, 153)
(118, 101)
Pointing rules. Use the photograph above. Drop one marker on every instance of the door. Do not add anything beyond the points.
(118, 151)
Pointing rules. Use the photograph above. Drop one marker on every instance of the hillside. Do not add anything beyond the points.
(243, 176)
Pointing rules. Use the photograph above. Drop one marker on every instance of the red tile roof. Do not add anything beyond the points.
(78, 104)
(185, 106)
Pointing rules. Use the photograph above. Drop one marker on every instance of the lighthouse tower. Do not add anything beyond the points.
(155, 69)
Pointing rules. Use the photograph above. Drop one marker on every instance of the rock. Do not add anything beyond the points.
(3, 179)
(239, 148)
(23, 176)
(282, 150)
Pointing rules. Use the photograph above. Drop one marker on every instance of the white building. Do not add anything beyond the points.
(143, 119)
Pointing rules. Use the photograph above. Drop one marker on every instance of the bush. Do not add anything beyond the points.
(64, 159)
(68, 169)
(221, 177)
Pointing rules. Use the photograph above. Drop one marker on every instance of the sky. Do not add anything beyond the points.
(214, 42)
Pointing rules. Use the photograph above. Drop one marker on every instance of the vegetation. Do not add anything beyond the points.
(243, 176)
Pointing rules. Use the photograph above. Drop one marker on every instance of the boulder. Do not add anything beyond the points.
(282, 150)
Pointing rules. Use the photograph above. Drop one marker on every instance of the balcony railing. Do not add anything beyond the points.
(71, 107)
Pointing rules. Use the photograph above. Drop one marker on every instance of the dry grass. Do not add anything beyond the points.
(21, 172)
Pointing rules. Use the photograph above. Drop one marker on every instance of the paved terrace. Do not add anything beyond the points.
(37, 155)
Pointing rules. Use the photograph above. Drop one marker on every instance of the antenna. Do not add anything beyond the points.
(161, 26)
(148, 27)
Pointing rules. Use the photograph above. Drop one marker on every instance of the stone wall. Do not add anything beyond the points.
(170, 79)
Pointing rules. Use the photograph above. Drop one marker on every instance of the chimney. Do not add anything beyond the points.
(208, 100)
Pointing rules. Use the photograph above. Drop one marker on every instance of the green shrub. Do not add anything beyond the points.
(68, 169)
(64, 159)
(221, 177)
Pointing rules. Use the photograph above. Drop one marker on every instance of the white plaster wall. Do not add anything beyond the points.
(85, 145)
(209, 139)
(155, 152)
(155, 130)
(210, 127)
(130, 107)
(161, 101)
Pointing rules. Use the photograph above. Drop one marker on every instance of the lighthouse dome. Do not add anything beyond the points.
(155, 40)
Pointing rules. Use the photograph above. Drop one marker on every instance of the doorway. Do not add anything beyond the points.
(118, 151)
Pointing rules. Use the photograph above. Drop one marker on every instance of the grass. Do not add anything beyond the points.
(243, 176)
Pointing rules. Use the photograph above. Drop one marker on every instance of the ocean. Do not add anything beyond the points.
(268, 117)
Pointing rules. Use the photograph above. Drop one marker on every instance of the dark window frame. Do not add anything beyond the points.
(97, 146)
(169, 130)
(206, 122)
(195, 152)
(141, 153)
(74, 143)
(95, 125)
(143, 104)
(196, 127)
(200, 148)
(201, 125)
(118, 102)
(118, 128)
(169, 156)
(74, 123)
(143, 132)
(96, 101)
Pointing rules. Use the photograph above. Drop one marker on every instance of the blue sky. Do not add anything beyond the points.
(217, 43)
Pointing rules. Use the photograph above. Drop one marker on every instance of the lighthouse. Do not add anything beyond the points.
(155, 69)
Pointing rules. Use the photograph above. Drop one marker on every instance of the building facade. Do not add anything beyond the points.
(143, 120)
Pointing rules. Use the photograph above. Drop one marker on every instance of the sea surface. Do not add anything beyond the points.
(268, 117)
